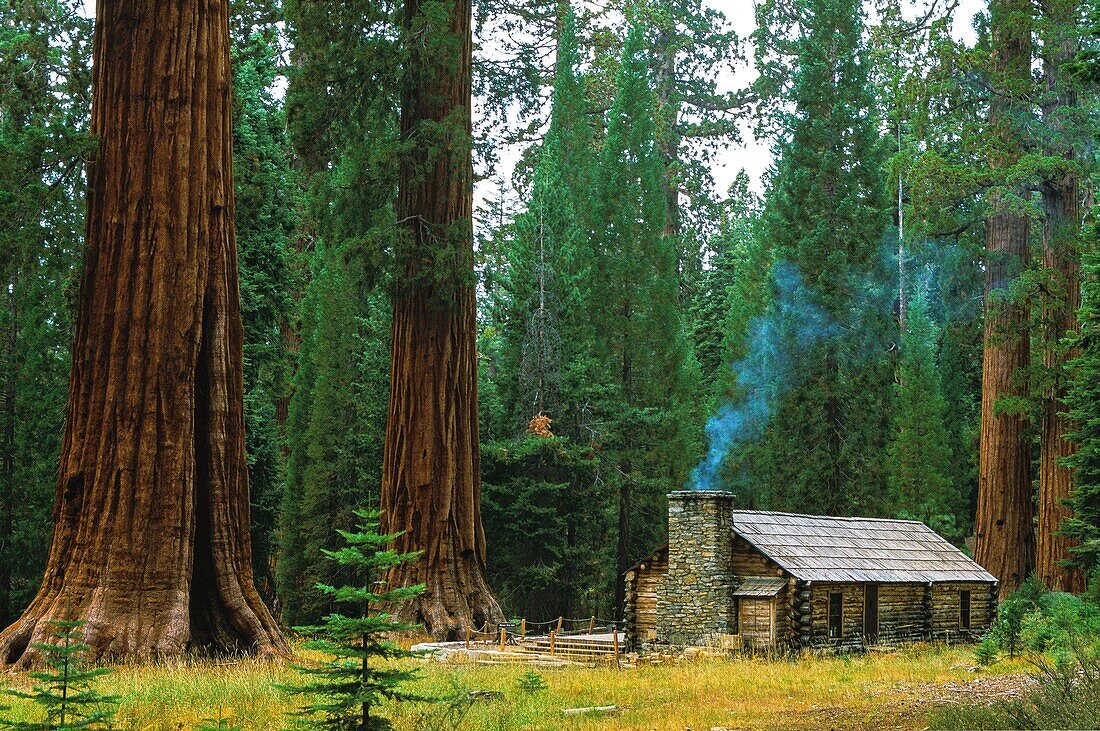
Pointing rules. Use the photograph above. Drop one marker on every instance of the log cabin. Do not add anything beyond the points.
(770, 581)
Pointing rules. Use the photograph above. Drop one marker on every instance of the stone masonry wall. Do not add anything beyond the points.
(695, 603)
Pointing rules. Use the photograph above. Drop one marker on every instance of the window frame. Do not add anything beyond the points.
(835, 616)
(966, 609)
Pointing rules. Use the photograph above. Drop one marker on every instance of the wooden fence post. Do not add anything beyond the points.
(503, 637)
(552, 636)
(592, 624)
(468, 633)
(560, 619)
(523, 627)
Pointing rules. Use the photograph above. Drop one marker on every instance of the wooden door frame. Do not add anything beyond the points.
(871, 638)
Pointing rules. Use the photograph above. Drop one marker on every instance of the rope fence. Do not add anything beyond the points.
(514, 632)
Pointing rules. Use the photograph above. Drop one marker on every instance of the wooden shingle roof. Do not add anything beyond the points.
(822, 548)
(759, 586)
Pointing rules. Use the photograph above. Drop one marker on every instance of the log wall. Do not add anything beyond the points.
(747, 561)
(643, 582)
(945, 610)
(851, 615)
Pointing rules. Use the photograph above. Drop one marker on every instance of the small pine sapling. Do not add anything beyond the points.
(221, 723)
(531, 682)
(345, 688)
(65, 688)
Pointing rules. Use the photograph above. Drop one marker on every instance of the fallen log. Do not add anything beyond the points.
(590, 709)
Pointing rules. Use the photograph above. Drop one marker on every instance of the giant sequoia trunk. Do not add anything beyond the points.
(1062, 260)
(151, 519)
(1005, 537)
(431, 479)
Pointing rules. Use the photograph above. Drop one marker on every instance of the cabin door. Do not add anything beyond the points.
(870, 613)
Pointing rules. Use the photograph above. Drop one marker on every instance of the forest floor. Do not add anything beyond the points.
(894, 690)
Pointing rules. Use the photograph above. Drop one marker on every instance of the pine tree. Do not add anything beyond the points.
(570, 126)
(343, 133)
(647, 364)
(919, 455)
(65, 690)
(730, 291)
(266, 209)
(1083, 399)
(335, 429)
(44, 79)
(826, 214)
(346, 688)
(545, 483)
(689, 44)
(545, 522)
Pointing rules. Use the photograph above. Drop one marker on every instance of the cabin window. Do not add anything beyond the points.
(964, 609)
(736, 628)
(836, 615)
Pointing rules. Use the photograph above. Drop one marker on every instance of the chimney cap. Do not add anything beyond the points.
(700, 495)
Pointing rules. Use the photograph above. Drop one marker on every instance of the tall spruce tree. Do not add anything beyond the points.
(920, 456)
(44, 80)
(343, 134)
(826, 214)
(1083, 526)
(542, 479)
(730, 292)
(644, 354)
(267, 206)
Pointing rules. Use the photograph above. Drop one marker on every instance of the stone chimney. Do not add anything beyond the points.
(695, 603)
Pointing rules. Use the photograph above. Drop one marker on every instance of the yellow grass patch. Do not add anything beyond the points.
(877, 691)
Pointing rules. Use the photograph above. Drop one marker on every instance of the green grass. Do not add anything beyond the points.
(879, 691)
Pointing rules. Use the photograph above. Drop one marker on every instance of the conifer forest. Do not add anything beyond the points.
(327, 324)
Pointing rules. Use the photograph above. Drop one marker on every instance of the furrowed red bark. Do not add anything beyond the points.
(151, 517)
(431, 479)
(1061, 215)
(1004, 533)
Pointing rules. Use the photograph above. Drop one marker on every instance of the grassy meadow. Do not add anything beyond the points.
(879, 691)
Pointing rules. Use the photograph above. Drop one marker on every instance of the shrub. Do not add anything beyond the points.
(1061, 633)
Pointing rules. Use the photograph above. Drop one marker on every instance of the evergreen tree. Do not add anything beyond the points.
(335, 426)
(1084, 410)
(689, 44)
(346, 688)
(919, 455)
(570, 126)
(343, 134)
(65, 690)
(265, 218)
(546, 527)
(826, 214)
(731, 290)
(44, 79)
(542, 477)
(649, 371)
